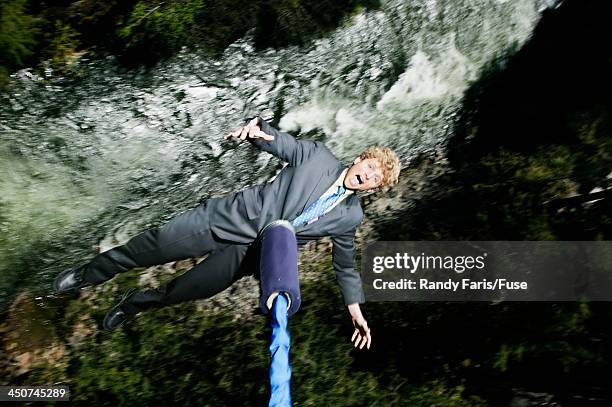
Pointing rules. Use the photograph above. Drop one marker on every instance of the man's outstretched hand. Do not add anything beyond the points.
(251, 130)
(362, 336)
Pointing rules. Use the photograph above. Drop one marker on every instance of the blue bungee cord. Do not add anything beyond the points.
(280, 369)
(280, 297)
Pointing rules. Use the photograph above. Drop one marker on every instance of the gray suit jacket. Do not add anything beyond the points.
(311, 170)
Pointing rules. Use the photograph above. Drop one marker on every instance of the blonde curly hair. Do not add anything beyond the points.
(389, 164)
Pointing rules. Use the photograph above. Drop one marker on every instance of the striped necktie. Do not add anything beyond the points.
(318, 208)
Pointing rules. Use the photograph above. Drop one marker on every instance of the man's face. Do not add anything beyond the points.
(363, 174)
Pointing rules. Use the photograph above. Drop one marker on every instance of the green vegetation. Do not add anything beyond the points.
(190, 356)
(62, 45)
(424, 354)
(143, 32)
(17, 36)
(166, 25)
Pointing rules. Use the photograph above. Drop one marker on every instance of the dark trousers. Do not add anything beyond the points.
(186, 236)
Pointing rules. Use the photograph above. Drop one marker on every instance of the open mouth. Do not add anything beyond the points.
(359, 180)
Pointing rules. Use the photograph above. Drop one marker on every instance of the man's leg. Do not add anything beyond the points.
(186, 235)
(223, 267)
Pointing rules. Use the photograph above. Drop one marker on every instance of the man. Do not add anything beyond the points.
(314, 191)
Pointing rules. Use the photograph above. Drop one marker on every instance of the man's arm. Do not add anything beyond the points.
(279, 144)
(343, 260)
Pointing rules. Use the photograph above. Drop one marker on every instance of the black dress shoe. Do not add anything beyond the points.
(118, 315)
(70, 279)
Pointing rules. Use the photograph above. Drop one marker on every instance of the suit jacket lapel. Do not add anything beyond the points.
(325, 180)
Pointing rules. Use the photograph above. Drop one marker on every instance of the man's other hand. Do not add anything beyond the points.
(362, 335)
(251, 130)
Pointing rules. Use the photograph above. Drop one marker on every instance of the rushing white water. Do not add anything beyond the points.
(108, 152)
